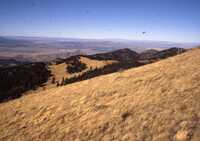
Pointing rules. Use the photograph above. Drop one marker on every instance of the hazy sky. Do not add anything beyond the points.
(168, 20)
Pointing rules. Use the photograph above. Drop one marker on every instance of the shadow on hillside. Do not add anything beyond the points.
(16, 80)
(115, 67)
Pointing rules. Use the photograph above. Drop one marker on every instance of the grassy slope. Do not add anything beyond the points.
(59, 71)
(158, 102)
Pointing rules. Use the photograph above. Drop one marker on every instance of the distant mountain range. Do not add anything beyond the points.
(34, 49)
(98, 44)
(123, 55)
(128, 55)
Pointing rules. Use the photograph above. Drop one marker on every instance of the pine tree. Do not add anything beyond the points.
(57, 84)
(53, 80)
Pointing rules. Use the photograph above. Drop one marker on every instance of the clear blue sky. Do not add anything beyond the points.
(168, 20)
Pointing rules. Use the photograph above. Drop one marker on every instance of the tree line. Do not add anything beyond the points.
(74, 65)
(16, 80)
(98, 71)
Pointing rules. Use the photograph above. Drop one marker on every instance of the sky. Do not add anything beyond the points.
(161, 20)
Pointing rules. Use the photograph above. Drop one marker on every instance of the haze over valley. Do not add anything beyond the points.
(33, 49)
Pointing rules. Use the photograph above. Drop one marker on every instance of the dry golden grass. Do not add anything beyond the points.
(95, 63)
(156, 102)
(59, 71)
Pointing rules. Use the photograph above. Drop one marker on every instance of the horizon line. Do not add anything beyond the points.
(103, 39)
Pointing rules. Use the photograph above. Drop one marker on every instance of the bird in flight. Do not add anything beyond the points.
(143, 32)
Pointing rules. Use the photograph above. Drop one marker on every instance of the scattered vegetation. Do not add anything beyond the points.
(100, 71)
(53, 81)
(75, 65)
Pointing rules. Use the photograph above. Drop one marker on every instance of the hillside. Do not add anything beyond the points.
(73, 69)
(156, 102)
(148, 54)
(168, 52)
(122, 55)
(105, 63)
(59, 70)
(152, 55)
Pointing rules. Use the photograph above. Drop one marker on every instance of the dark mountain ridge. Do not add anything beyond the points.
(168, 52)
(150, 56)
(147, 54)
(122, 55)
